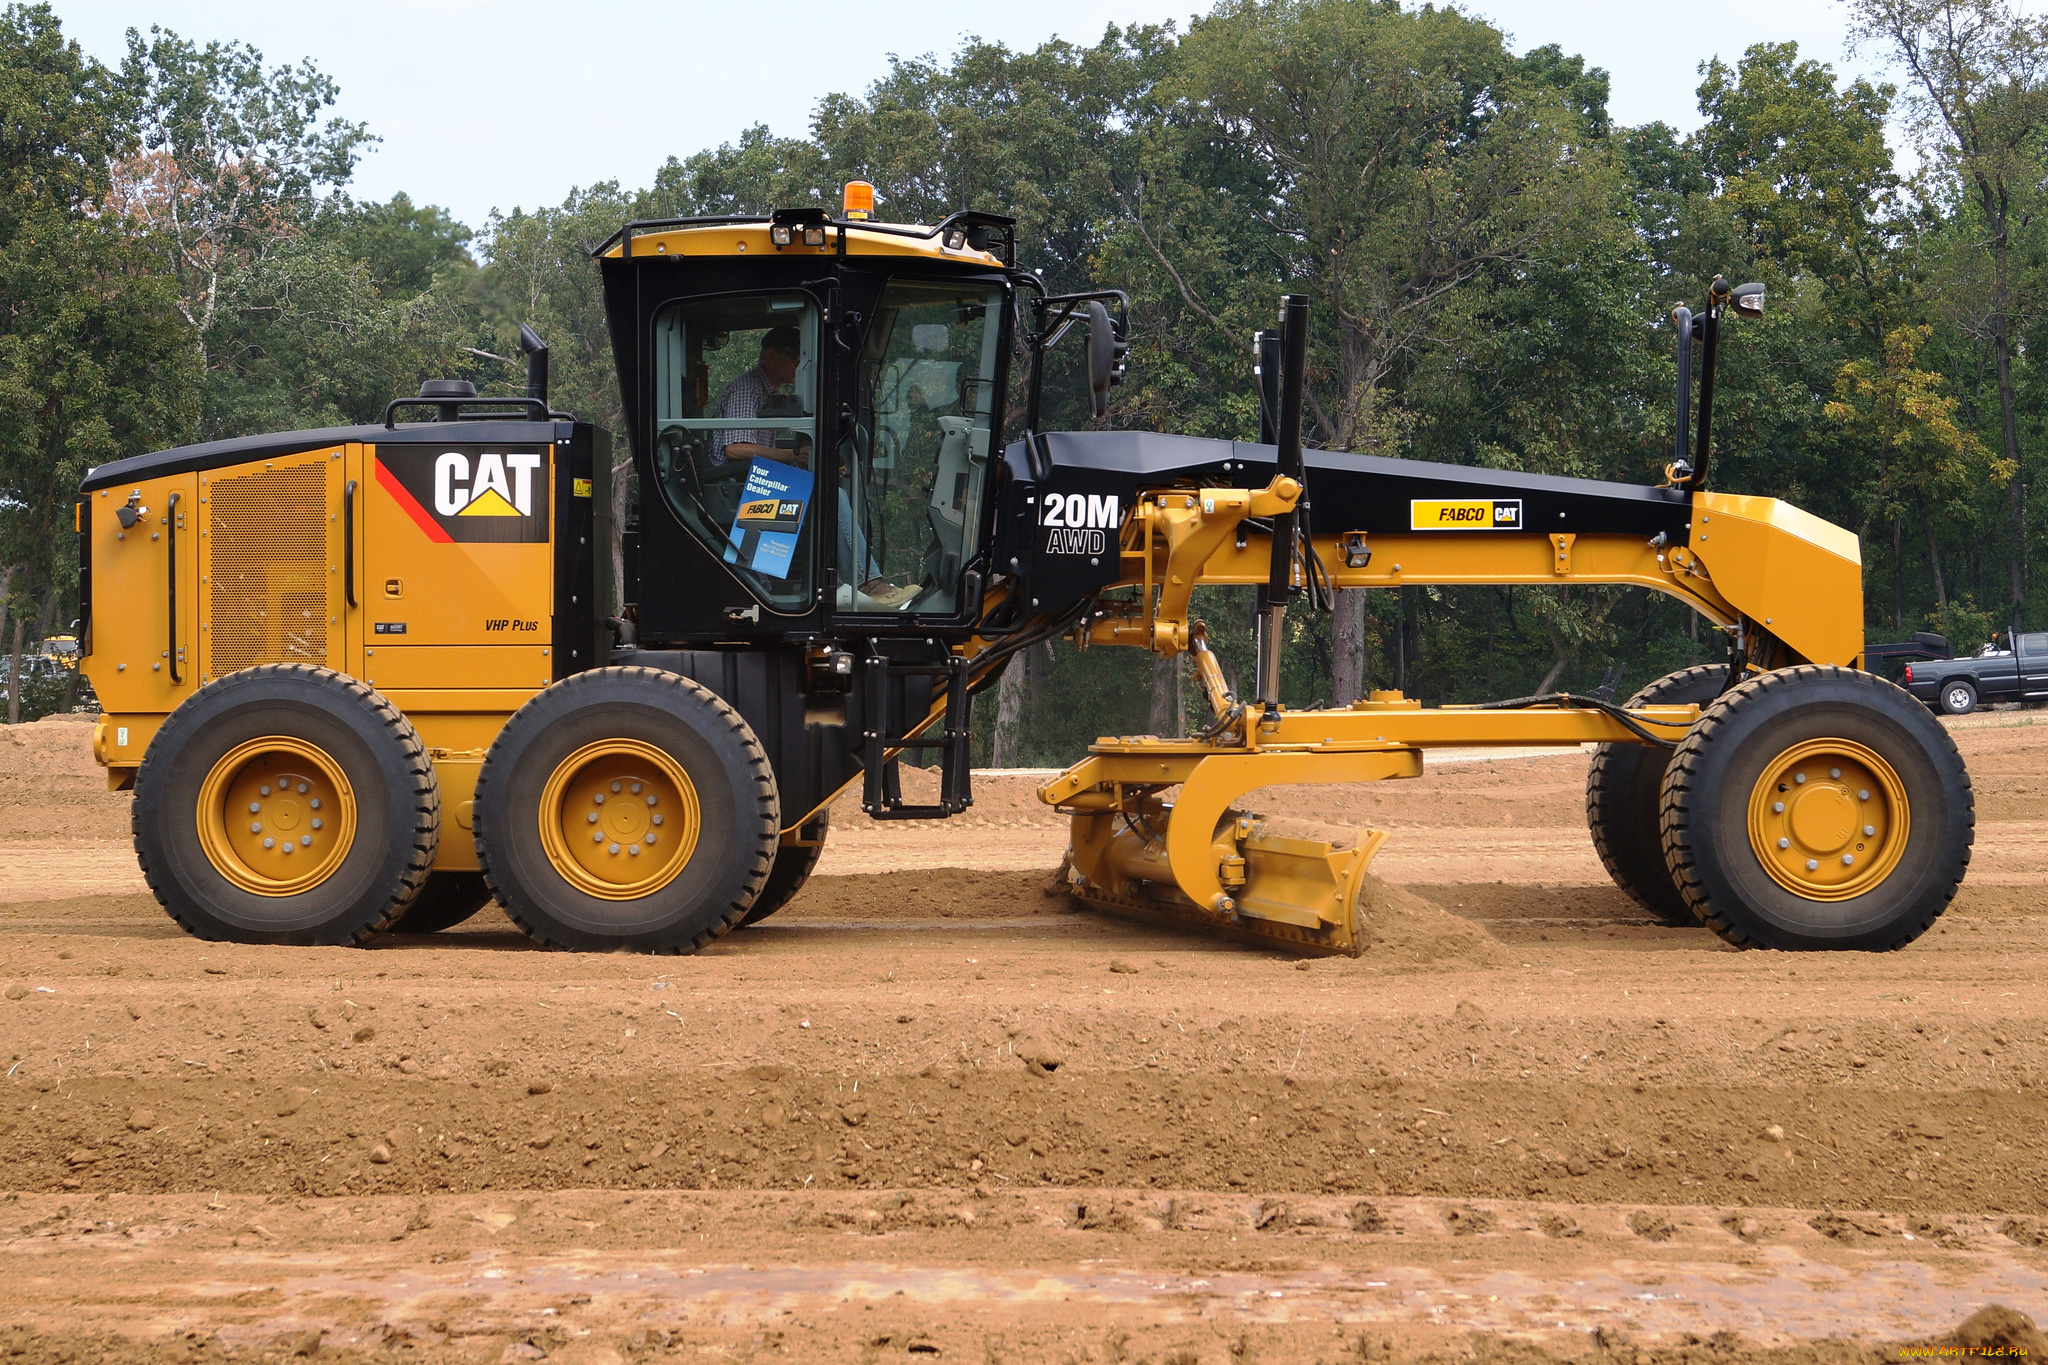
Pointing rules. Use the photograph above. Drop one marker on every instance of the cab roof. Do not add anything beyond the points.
(970, 238)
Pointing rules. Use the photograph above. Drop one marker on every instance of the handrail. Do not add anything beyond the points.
(537, 408)
(171, 537)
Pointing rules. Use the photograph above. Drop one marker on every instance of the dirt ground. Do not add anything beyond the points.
(932, 1111)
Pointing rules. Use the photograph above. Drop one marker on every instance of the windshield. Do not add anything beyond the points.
(917, 467)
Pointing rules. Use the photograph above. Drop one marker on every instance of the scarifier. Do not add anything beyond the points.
(373, 676)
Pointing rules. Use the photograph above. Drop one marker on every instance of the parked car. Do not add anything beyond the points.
(2017, 671)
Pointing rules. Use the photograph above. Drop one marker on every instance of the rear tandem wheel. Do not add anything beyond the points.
(626, 808)
(794, 864)
(1817, 807)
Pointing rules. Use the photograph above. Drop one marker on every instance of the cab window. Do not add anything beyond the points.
(734, 423)
(916, 465)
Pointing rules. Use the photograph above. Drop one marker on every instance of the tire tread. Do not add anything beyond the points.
(766, 809)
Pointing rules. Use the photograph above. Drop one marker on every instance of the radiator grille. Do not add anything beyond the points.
(267, 568)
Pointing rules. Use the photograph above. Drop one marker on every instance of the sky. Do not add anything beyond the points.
(497, 104)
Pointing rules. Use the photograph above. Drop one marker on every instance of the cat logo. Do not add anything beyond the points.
(469, 494)
(1465, 514)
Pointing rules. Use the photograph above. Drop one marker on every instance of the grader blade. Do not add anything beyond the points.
(1304, 895)
(1202, 860)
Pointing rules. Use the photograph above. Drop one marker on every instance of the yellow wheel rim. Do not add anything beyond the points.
(276, 816)
(1828, 819)
(619, 819)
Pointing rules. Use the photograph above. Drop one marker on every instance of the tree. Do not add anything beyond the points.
(1925, 462)
(1979, 75)
(230, 156)
(94, 362)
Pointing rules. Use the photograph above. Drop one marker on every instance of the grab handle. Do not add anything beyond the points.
(348, 542)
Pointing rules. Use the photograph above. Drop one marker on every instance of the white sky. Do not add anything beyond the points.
(488, 104)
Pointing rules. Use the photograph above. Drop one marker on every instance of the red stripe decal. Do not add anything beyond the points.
(410, 504)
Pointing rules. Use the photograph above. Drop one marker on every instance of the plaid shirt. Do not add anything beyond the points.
(742, 398)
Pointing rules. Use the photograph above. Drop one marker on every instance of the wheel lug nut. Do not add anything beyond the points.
(1848, 860)
(316, 803)
(263, 791)
(1799, 778)
(1834, 772)
(1784, 843)
(591, 818)
(1777, 807)
(1869, 831)
(316, 822)
(270, 843)
(615, 786)
(255, 806)
(598, 799)
(1862, 796)
(636, 789)
(597, 836)
(633, 850)
(657, 819)
(650, 841)
(1812, 865)
(614, 848)
(650, 799)
(255, 826)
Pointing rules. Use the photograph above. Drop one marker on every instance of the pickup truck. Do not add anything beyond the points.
(1954, 687)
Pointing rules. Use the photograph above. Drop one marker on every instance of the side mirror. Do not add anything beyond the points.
(1102, 357)
(1748, 300)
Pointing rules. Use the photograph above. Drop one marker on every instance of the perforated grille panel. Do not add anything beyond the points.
(267, 568)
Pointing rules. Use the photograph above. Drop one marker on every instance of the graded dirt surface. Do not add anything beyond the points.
(931, 1111)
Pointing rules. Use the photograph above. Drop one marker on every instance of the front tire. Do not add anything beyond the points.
(1818, 807)
(1624, 787)
(286, 804)
(626, 808)
(1958, 697)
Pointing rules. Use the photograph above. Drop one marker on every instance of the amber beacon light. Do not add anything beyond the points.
(859, 200)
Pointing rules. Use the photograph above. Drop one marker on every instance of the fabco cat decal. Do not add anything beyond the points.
(469, 494)
(1465, 514)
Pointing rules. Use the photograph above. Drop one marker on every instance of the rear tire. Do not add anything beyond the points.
(671, 785)
(1958, 697)
(286, 756)
(1624, 789)
(447, 900)
(1818, 808)
(793, 867)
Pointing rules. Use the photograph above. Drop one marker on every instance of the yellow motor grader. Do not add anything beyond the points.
(371, 677)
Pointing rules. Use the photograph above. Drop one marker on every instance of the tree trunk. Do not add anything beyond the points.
(14, 676)
(1400, 640)
(1009, 711)
(2009, 434)
(1352, 669)
(1934, 563)
(1899, 573)
(1163, 721)
(6, 582)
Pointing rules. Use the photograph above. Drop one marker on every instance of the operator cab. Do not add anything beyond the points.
(813, 405)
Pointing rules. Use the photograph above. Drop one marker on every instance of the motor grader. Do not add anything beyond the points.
(373, 676)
